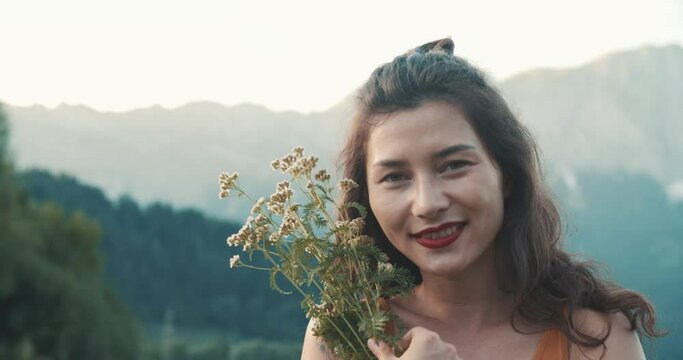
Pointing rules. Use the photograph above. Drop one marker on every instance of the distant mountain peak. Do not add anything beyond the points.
(672, 52)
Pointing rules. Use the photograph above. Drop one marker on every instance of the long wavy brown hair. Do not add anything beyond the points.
(548, 284)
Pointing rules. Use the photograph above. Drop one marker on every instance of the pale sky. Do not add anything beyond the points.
(290, 55)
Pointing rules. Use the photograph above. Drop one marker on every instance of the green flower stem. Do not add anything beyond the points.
(252, 267)
(342, 333)
(239, 189)
(314, 282)
(304, 295)
(331, 222)
(271, 252)
(288, 251)
(355, 254)
(362, 343)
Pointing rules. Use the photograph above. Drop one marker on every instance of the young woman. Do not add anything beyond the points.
(452, 182)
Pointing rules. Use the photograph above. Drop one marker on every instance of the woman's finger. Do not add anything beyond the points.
(381, 350)
(408, 337)
(404, 342)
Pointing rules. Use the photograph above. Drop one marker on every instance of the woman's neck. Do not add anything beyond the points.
(470, 300)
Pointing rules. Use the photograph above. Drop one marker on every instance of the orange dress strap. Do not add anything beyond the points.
(553, 346)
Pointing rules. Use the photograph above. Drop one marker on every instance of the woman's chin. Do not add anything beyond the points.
(449, 269)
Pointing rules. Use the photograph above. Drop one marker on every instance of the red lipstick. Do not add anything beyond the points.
(432, 242)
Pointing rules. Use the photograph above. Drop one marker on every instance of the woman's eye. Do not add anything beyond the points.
(394, 177)
(455, 165)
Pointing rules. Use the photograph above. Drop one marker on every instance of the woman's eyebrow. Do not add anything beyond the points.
(390, 163)
(452, 150)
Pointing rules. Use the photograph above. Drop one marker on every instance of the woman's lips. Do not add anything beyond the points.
(450, 235)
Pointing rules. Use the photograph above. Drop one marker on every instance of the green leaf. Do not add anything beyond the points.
(361, 209)
(321, 188)
(319, 220)
(273, 283)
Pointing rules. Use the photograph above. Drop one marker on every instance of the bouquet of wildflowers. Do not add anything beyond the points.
(343, 277)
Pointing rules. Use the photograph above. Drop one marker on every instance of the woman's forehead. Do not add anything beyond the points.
(429, 128)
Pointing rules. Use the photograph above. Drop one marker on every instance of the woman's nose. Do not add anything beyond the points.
(429, 199)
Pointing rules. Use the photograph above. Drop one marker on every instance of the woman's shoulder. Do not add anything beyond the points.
(314, 348)
(622, 342)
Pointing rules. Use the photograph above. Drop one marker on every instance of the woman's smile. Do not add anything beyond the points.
(442, 236)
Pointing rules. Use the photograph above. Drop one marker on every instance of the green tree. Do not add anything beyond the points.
(263, 350)
(4, 135)
(161, 258)
(53, 302)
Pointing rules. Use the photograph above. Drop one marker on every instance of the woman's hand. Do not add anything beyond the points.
(419, 343)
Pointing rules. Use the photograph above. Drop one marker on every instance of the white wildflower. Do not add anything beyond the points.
(234, 261)
(356, 226)
(233, 240)
(257, 205)
(276, 208)
(273, 238)
(289, 223)
(347, 184)
(360, 240)
(308, 164)
(283, 186)
(226, 183)
(322, 175)
(385, 267)
(260, 220)
(298, 151)
(276, 202)
(285, 163)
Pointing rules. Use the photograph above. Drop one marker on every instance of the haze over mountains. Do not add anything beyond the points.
(622, 111)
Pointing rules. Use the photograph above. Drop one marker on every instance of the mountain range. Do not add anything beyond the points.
(623, 111)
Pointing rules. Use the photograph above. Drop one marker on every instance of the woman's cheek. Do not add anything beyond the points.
(387, 208)
(379, 203)
(480, 191)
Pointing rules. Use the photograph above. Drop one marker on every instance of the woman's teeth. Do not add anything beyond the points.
(440, 234)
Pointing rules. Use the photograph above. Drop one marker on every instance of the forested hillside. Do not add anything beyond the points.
(53, 300)
(163, 260)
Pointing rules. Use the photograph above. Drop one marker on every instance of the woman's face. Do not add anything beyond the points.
(433, 188)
